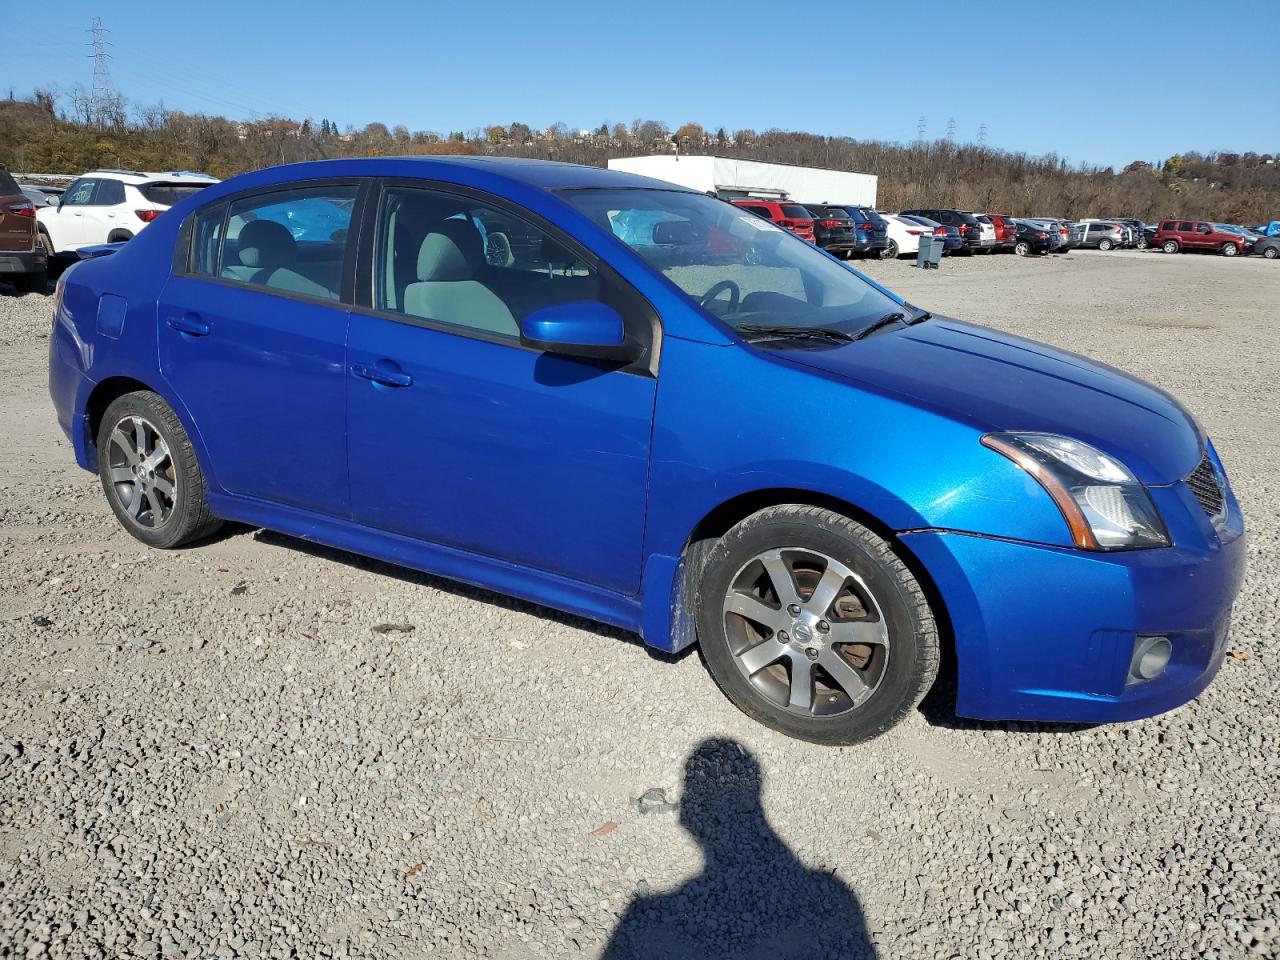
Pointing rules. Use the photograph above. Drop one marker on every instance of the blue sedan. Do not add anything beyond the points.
(643, 405)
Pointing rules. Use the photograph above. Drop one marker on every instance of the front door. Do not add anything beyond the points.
(252, 337)
(462, 437)
(68, 227)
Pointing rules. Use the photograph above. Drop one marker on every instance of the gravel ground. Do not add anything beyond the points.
(259, 748)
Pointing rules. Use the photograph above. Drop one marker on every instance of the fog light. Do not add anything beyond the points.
(1150, 657)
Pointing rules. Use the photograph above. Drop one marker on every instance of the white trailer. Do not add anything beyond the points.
(730, 178)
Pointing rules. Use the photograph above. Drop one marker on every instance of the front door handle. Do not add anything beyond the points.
(188, 324)
(384, 372)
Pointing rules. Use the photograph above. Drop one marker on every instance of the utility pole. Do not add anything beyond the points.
(101, 70)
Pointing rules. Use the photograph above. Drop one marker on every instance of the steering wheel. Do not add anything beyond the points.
(735, 294)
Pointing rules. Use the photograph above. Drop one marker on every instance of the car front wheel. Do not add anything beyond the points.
(150, 473)
(1022, 248)
(890, 252)
(812, 625)
(1271, 253)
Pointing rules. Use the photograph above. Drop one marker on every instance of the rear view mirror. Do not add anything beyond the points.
(586, 328)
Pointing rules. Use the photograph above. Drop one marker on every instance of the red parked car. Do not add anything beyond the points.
(1175, 236)
(792, 216)
(1006, 230)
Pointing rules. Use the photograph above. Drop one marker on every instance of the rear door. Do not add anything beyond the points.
(1187, 236)
(252, 338)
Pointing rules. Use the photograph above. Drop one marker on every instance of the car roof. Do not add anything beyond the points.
(138, 176)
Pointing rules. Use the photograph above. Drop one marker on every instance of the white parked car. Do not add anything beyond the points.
(986, 233)
(904, 237)
(106, 206)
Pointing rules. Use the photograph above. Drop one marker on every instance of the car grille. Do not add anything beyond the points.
(1207, 487)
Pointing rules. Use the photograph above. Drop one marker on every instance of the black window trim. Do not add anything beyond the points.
(646, 365)
(184, 251)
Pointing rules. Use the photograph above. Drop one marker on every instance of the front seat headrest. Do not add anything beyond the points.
(453, 250)
(265, 245)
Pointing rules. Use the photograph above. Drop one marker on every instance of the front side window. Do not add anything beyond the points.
(110, 193)
(79, 193)
(746, 272)
(293, 241)
(456, 261)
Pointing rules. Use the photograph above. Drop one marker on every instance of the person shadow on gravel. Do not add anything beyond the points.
(754, 899)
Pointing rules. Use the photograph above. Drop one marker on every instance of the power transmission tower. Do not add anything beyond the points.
(101, 92)
(951, 128)
(982, 135)
(920, 128)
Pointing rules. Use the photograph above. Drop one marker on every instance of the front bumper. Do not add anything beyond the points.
(23, 261)
(1046, 633)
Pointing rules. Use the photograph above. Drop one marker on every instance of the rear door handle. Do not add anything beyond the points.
(188, 324)
(385, 372)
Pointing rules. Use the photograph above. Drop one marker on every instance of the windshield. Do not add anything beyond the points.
(744, 270)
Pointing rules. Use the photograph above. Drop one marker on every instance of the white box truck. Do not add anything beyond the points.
(729, 178)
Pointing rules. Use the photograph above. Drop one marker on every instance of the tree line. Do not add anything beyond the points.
(37, 136)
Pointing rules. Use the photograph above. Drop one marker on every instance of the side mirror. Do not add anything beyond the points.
(586, 328)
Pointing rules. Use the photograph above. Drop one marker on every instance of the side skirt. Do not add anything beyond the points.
(560, 593)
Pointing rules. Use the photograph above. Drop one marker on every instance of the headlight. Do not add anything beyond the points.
(1105, 506)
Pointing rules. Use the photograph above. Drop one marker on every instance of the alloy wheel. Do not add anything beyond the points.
(1022, 248)
(1170, 246)
(806, 631)
(1229, 250)
(141, 471)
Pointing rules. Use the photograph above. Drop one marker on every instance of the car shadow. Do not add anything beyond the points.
(754, 898)
(455, 587)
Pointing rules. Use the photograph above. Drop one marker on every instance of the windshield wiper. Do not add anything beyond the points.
(758, 331)
(888, 320)
(920, 317)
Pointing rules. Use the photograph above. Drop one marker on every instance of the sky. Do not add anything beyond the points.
(1094, 81)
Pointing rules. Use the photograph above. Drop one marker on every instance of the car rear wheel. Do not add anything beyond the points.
(150, 473)
(1170, 246)
(812, 625)
(1104, 245)
(1271, 253)
(1229, 249)
(46, 241)
(1022, 248)
(1142, 243)
(890, 252)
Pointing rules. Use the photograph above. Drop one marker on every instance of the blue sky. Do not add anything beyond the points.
(1075, 78)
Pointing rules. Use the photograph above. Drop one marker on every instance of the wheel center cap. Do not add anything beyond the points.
(801, 632)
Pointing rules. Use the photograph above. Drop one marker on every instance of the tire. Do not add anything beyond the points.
(119, 236)
(1170, 246)
(876, 677)
(1229, 249)
(1142, 244)
(1104, 245)
(47, 241)
(137, 429)
(1022, 248)
(890, 252)
(1271, 253)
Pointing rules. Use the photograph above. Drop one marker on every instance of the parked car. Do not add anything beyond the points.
(834, 230)
(966, 225)
(1268, 247)
(105, 206)
(678, 419)
(1031, 237)
(873, 232)
(904, 236)
(1178, 236)
(1271, 229)
(986, 233)
(1102, 235)
(1247, 237)
(952, 240)
(1140, 232)
(37, 196)
(1060, 233)
(1006, 230)
(790, 216)
(22, 259)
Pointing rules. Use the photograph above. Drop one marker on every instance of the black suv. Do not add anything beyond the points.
(871, 230)
(968, 225)
(833, 229)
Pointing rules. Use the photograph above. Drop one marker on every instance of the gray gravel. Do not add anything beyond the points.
(215, 752)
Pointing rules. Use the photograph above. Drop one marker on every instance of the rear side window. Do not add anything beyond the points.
(759, 211)
(796, 211)
(110, 193)
(291, 241)
(8, 186)
(1186, 228)
(206, 240)
(168, 194)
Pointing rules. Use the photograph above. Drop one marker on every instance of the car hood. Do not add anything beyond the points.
(996, 381)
